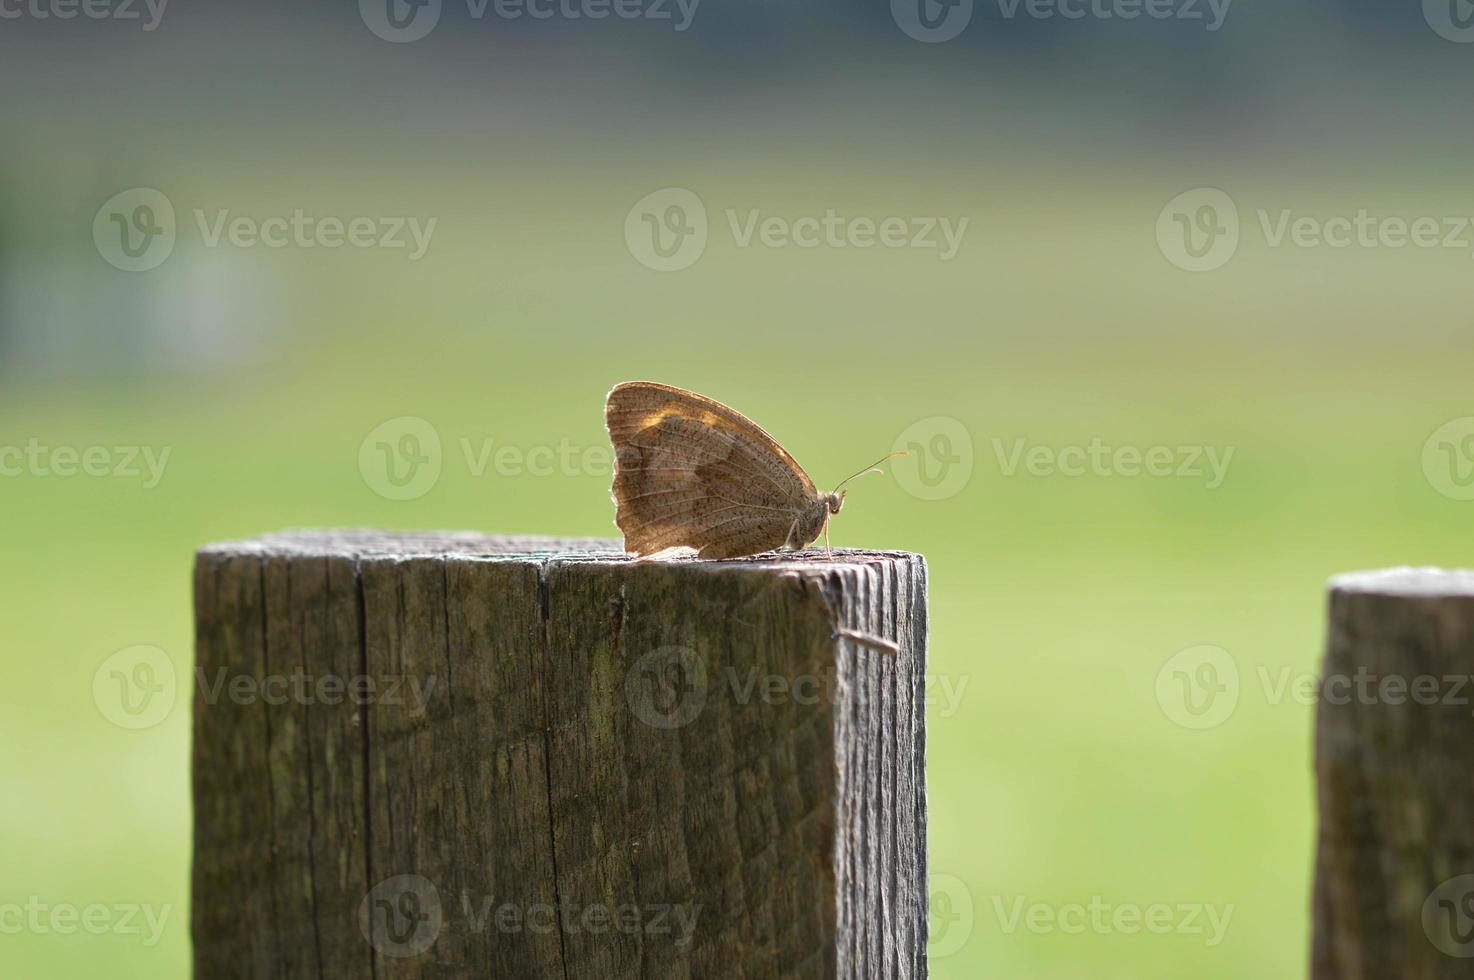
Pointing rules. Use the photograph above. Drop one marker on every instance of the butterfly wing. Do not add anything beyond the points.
(691, 472)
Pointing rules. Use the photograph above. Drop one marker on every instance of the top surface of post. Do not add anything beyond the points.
(1431, 583)
(370, 543)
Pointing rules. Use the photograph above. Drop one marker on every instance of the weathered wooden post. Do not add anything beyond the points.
(1394, 886)
(448, 755)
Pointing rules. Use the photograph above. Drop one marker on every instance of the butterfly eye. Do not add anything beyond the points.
(835, 502)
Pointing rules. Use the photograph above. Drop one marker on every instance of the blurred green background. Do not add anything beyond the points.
(1059, 769)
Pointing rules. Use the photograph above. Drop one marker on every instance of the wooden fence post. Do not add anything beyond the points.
(1394, 884)
(442, 755)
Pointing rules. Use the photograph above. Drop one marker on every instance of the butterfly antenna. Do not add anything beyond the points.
(872, 468)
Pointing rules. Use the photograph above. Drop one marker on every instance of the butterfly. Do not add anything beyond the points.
(690, 472)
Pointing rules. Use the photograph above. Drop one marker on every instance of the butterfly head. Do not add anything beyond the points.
(834, 501)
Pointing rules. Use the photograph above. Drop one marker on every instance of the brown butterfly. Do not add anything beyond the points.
(690, 472)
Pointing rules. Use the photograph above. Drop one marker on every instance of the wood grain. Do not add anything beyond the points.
(568, 764)
(1395, 774)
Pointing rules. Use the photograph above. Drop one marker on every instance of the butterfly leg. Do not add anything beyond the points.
(793, 543)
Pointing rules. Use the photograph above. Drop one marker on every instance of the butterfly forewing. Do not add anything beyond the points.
(691, 472)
